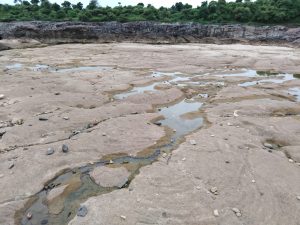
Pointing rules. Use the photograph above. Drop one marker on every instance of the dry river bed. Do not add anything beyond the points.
(101, 134)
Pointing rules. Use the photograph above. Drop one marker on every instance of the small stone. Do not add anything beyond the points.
(236, 210)
(164, 214)
(216, 213)
(253, 181)
(11, 165)
(44, 222)
(43, 119)
(298, 197)
(66, 118)
(29, 216)
(1, 175)
(214, 190)
(165, 155)
(123, 217)
(157, 123)
(212, 135)
(183, 159)
(111, 162)
(238, 214)
(104, 134)
(198, 187)
(50, 151)
(17, 121)
(229, 124)
(268, 145)
(193, 142)
(291, 161)
(82, 211)
(65, 148)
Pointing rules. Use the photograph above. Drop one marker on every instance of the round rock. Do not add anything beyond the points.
(82, 211)
(65, 148)
(50, 151)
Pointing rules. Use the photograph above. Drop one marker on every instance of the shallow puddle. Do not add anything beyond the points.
(295, 92)
(276, 79)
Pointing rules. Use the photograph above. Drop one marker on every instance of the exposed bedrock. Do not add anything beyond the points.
(147, 32)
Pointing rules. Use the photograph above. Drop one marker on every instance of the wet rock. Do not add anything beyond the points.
(82, 211)
(29, 215)
(65, 148)
(50, 151)
(110, 177)
(216, 213)
(268, 145)
(193, 142)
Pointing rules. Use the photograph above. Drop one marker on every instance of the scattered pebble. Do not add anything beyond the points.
(212, 135)
(50, 151)
(65, 148)
(298, 197)
(268, 145)
(123, 217)
(43, 119)
(229, 124)
(235, 113)
(66, 118)
(183, 159)
(291, 161)
(11, 165)
(237, 212)
(214, 190)
(111, 162)
(253, 181)
(165, 155)
(216, 213)
(17, 121)
(82, 211)
(2, 97)
(29, 215)
(193, 142)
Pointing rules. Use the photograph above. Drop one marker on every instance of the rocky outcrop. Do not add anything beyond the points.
(147, 32)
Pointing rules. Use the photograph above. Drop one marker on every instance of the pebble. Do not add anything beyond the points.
(11, 165)
(82, 211)
(237, 212)
(43, 119)
(268, 145)
(229, 124)
(2, 97)
(111, 162)
(253, 181)
(216, 213)
(291, 161)
(157, 123)
(65, 148)
(214, 190)
(165, 155)
(1, 175)
(193, 142)
(298, 197)
(29, 216)
(183, 159)
(17, 121)
(212, 135)
(66, 118)
(123, 217)
(50, 151)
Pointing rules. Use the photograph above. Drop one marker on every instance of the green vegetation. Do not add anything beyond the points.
(245, 11)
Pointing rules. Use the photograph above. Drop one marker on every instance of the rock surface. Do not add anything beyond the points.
(110, 177)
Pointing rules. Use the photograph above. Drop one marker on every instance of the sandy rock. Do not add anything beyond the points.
(110, 177)
(54, 193)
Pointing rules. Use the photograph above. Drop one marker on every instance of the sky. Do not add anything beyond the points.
(156, 3)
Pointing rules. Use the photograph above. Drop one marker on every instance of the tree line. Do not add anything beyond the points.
(220, 11)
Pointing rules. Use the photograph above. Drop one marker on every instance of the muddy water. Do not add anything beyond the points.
(81, 186)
